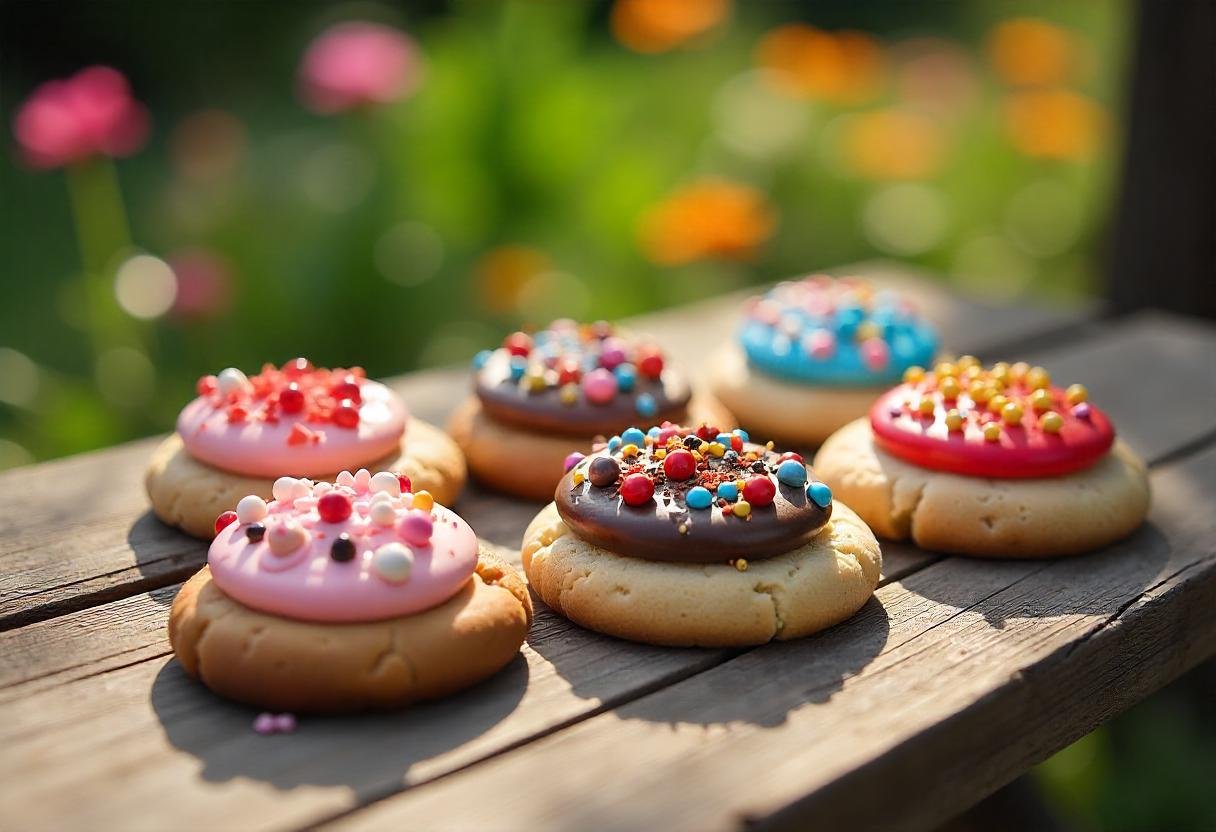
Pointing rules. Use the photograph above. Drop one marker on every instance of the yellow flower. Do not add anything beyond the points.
(893, 144)
(712, 218)
(840, 67)
(1055, 124)
(1028, 52)
(660, 25)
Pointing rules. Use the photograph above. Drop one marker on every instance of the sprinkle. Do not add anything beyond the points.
(572, 459)
(954, 420)
(614, 444)
(577, 478)
(819, 494)
(1081, 411)
(599, 386)
(334, 507)
(1038, 378)
(254, 532)
(1051, 422)
(224, 521)
(1040, 400)
(926, 406)
(629, 450)
(393, 562)
(423, 501)
(646, 405)
(699, 498)
(416, 527)
(637, 489)
(633, 436)
(1076, 394)
(1011, 413)
(251, 509)
(386, 482)
(742, 508)
(728, 491)
(992, 431)
(997, 403)
(742, 434)
(518, 365)
(626, 376)
(949, 388)
(285, 537)
(914, 375)
(792, 473)
(569, 395)
(480, 360)
(717, 449)
(382, 513)
(741, 564)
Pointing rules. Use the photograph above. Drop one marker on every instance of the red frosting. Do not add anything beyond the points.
(1026, 448)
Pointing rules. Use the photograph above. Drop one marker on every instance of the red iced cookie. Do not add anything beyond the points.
(1004, 422)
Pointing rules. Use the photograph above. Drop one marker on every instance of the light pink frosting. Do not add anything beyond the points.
(307, 583)
(261, 449)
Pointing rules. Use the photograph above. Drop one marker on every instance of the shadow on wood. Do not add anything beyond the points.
(164, 555)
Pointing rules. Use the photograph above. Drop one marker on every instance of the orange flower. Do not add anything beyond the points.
(1055, 124)
(712, 218)
(660, 25)
(841, 67)
(892, 144)
(502, 273)
(1028, 52)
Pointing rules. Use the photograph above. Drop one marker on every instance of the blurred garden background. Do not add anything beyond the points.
(189, 186)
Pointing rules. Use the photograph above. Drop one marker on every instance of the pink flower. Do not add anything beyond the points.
(357, 64)
(89, 114)
(203, 284)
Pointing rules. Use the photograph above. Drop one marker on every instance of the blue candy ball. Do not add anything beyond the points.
(742, 434)
(481, 358)
(728, 491)
(626, 376)
(614, 444)
(654, 432)
(633, 436)
(819, 494)
(699, 497)
(792, 472)
(646, 405)
(518, 365)
(724, 438)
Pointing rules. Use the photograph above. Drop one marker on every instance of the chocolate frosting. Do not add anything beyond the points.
(512, 402)
(665, 528)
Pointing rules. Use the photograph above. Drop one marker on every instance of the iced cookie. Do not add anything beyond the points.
(542, 395)
(992, 462)
(345, 596)
(681, 537)
(815, 353)
(241, 433)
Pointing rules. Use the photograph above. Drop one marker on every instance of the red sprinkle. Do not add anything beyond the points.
(759, 491)
(207, 385)
(637, 489)
(297, 367)
(406, 485)
(237, 414)
(300, 435)
(651, 363)
(347, 388)
(791, 455)
(291, 399)
(333, 507)
(679, 465)
(518, 343)
(224, 521)
(346, 414)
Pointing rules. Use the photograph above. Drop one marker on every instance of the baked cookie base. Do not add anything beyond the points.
(530, 465)
(301, 667)
(190, 494)
(709, 605)
(1006, 518)
(787, 412)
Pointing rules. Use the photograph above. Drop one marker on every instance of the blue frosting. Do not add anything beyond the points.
(783, 328)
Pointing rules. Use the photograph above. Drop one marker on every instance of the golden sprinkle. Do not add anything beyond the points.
(660, 453)
(949, 388)
(954, 420)
(992, 431)
(1040, 400)
(578, 478)
(741, 564)
(1038, 378)
(423, 501)
(1051, 422)
(997, 403)
(914, 375)
(1012, 414)
(1018, 371)
(682, 528)
(1076, 393)
(979, 392)
(742, 508)
(968, 361)
(716, 449)
(945, 370)
(925, 406)
(629, 450)
(1000, 370)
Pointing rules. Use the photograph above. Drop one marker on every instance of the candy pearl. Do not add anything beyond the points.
(334, 507)
(1018, 371)
(404, 482)
(284, 723)
(794, 455)
(992, 431)
(603, 471)
(728, 491)
(626, 376)
(517, 365)
(967, 361)
(633, 436)
(599, 386)
(393, 563)
(345, 478)
(1081, 411)
(573, 459)
(614, 444)
(382, 513)
(250, 509)
(759, 491)
(1038, 378)
(979, 392)
(481, 359)
(346, 414)
(1051, 422)
(347, 388)
(224, 521)
(997, 403)
(423, 501)
(612, 357)
(518, 343)
(629, 450)
(637, 489)
(264, 724)
(925, 406)
(1011, 413)
(742, 434)
(342, 549)
(321, 489)
(385, 481)
(1076, 393)
(291, 399)
(679, 465)
(254, 532)
(568, 395)
(297, 367)
(742, 508)
(1040, 400)
(954, 420)
(231, 380)
(646, 405)
(741, 564)
(284, 538)
(699, 498)
(792, 473)
(284, 489)
(416, 528)
(819, 344)
(819, 494)
(363, 480)
(914, 375)
(875, 354)
(949, 388)
(651, 364)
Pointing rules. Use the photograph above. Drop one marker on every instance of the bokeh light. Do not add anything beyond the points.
(207, 145)
(19, 378)
(905, 219)
(709, 219)
(1031, 52)
(1055, 124)
(409, 253)
(1044, 218)
(992, 267)
(125, 377)
(204, 284)
(502, 273)
(336, 177)
(892, 144)
(145, 286)
(754, 120)
(650, 26)
(846, 68)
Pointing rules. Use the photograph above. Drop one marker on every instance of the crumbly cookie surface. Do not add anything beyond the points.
(787, 596)
(283, 664)
(190, 494)
(1014, 518)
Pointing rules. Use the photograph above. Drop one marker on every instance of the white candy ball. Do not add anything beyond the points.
(363, 478)
(321, 488)
(393, 562)
(250, 509)
(284, 489)
(345, 478)
(382, 513)
(386, 482)
(231, 380)
(302, 488)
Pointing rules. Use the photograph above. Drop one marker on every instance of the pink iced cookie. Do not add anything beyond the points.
(357, 550)
(298, 420)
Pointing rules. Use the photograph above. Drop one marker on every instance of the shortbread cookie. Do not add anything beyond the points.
(347, 596)
(991, 463)
(670, 537)
(813, 354)
(541, 396)
(242, 433)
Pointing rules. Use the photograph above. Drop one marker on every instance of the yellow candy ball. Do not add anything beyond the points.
(1018, 371)
(1038, 378)
(629, 450)
(1076, 393)
(1051, 422)
(1000, 370)
(717, 448)
(1040, 400)
(914, 375)
(979, 392)
(992, 431)
(945, 370)
(954, 420)
(968, 361)
(423, 501)
(742, 508)
(1012, 413)
(569, 394)
(997, 403)
(578, 477)
(741, 564)
(867, 330)
(949, 388)
(926, 407)
(660, 454)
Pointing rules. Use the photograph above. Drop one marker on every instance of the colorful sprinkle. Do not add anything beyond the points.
(819, 493)
(637, 489)
(573, 459)
(699, 498)
(792, 473)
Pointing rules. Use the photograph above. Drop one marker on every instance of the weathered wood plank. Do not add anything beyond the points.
(109, 546)
(571, 674)
(969, 672)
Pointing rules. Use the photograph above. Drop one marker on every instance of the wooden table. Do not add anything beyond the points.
(955, 678)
